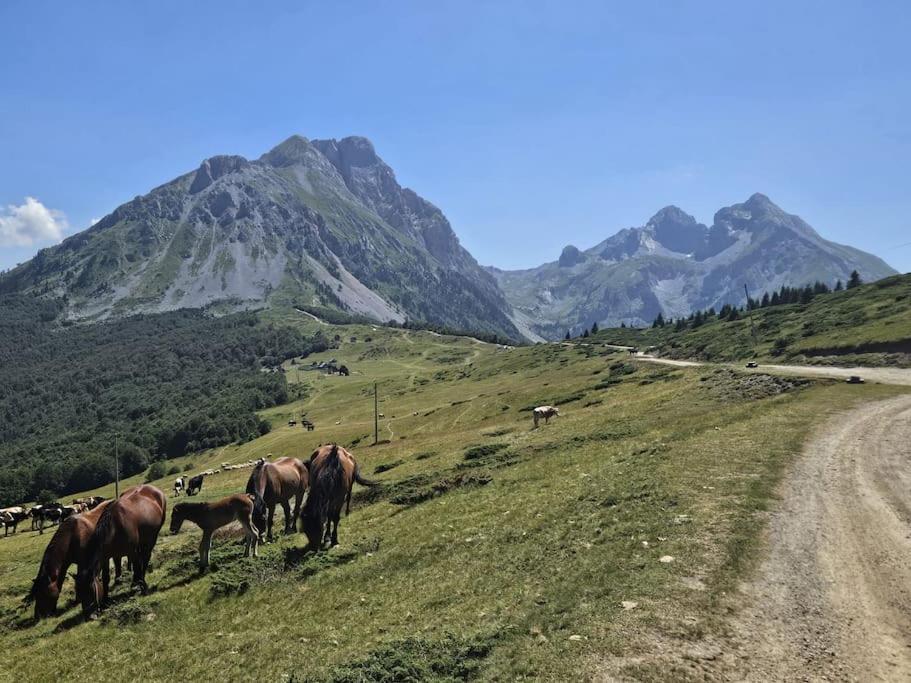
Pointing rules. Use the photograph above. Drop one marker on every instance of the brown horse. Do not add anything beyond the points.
(128, 527)
(276, 483)
(211, 516)
(333, 471)
(67, 547)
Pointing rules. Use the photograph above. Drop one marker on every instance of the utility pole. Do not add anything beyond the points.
(376, 417)
(116, 469)
(750, 309)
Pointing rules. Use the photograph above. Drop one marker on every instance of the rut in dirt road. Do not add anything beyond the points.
(833, 599)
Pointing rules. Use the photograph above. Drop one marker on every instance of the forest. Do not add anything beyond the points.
(155, 386)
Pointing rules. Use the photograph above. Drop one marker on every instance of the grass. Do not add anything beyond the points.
(868, 325)
(491, 550)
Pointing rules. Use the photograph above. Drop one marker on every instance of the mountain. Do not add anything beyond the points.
(674, 265)
(310, 223)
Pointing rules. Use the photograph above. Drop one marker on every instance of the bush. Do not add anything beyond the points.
(173, 470)
(156, 471)
(44, 497)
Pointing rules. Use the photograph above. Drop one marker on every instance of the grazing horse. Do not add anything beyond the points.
(277, 483)
(546, 412)
(333, 471)
(343, 370)
(246, 508)
(128, 527)
(67, 547)
(194, 486)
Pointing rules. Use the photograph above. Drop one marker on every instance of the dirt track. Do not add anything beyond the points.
(833, 599)
(883, 375)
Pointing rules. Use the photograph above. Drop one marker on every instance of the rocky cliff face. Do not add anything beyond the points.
(320, 222)
(675, 265)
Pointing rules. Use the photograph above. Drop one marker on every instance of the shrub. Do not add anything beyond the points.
(156, 471)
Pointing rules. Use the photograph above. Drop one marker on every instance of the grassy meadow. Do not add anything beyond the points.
(868, 325)
(490, 550)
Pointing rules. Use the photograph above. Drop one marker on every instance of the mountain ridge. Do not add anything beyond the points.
(325, 224)
(674, 265)
(311, 223)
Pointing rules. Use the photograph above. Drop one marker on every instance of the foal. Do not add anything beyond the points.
(245, 508)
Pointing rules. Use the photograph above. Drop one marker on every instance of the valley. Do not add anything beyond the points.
(611, 542)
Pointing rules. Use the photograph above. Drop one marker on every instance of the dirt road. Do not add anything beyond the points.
(900, 376)
(833, 599)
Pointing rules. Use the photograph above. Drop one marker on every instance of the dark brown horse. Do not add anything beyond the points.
(277, 483)
(67, 547)
(128, 527)
(333, 471)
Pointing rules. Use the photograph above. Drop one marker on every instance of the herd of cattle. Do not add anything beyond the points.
(105, 532)
(50, 513)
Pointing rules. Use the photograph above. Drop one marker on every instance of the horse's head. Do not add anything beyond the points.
(88, 590)
(313, 524)
(177, 517)
(44, 593)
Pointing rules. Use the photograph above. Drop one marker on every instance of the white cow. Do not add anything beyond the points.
(546, 412)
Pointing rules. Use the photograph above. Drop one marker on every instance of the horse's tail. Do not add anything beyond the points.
(360, 480)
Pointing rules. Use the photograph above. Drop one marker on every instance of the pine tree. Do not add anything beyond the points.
(680, 325)
(765, 301)
(623, 324)
(585, 334)
(733, 315)
(659, 321)
(567, 335)
(595, 327)
(855, 280)
(839, 286)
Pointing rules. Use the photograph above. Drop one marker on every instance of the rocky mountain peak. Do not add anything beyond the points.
(214, 168)
(570, 256)
(295, 150)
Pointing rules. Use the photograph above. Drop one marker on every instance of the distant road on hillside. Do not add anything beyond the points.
(900, 376)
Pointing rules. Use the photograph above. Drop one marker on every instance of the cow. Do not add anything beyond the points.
(194, 486)
(180, 484)
(10, 517)
(546, 412)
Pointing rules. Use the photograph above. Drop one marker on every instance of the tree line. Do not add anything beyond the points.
(780, 297)
(161, 386)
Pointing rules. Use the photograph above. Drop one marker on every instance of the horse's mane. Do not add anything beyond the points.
(253, 483)
(104, 530)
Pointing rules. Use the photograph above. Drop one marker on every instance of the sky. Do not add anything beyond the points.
(532, 125)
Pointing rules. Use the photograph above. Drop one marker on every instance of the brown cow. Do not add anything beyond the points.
(333, 471)
(277, 483)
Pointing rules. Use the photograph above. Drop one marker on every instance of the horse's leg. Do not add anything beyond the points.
(269, 523)
(286, 508)
(105, 583)
(334, 522)
(204, 546)
(298, 500)
(251, 533)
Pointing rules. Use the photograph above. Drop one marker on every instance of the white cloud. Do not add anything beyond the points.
(31, 222)
(93, 221)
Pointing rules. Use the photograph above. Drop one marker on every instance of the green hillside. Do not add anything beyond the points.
(491, 551)
(870, 325)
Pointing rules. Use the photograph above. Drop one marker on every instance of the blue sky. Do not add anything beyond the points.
(531, 124)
